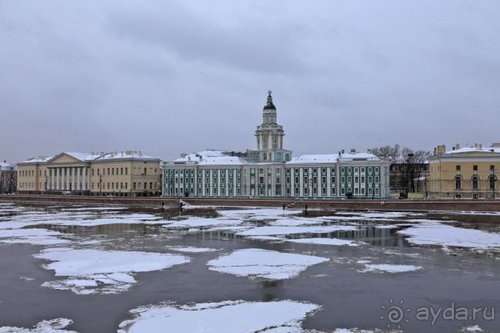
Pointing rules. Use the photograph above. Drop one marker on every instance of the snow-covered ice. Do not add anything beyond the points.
(33, 236)
(386, 226)
(390, 268)
(267, 238)
(358, 330)
(274, 231)
(95, 271)
(434, 233)
(380, 215)
(253, 317)
(201, 222)
(296, 222)
(472, 329)
(324, 241)
(266, 264)
(191, 249)
(256, 213)
(45, 326)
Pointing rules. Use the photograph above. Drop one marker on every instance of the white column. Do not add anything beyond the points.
(78, 178)
(72, 178)
(85, 182)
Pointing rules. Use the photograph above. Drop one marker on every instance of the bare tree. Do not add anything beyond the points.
(387, 153)
(411, 165)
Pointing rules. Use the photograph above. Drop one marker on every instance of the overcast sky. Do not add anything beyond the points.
(167, 77)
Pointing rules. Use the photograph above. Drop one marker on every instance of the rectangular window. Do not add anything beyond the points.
(457, 168)
(474, 167)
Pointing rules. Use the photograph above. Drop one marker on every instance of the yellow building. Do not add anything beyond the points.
(468, 173)
(127, 173)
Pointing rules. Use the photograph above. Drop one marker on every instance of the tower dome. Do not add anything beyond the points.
(269, 105)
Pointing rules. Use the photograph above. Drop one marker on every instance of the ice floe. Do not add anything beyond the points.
(191, 249)
(324, 241)
(45, 326)
(390, 268)
(94, 271)
(267, 238)
(31, 236)
(257, 213)
(296, 222)
(358, 330)
(472, 329)
(223, 317)
(200, 222)
(433, 233)
(386, 226)
(380, 215)
(266, 264)
(274, 231)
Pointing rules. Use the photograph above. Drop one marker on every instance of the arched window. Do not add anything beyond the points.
(458, 183)
(492, 182)
(475, 183)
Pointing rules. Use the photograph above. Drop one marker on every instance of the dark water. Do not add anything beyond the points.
(348, 297)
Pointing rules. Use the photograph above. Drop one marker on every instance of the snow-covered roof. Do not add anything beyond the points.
(209, 157)
(358, 157)
(474, 150)
(4, 166)
(82, 156)
(39, 159)
(129, 154)
(87, 157)
(332, 158)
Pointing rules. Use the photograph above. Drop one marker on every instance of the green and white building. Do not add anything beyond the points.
(270, 171)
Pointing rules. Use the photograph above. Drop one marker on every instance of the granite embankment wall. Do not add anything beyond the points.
(386, 205)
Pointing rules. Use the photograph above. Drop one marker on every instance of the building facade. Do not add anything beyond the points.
(127, 173)
(8, 177)
(465, 173)
(270, 171)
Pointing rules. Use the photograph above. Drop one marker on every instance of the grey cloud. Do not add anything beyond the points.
(172, 77)
(251, 45)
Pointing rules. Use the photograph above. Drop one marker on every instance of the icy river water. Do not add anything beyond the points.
(107, 269)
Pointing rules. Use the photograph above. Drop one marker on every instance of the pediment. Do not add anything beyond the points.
(64, 158)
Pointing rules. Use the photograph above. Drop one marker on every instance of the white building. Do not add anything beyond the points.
(271, 172)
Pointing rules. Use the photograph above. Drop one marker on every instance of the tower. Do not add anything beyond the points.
(269, 137)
